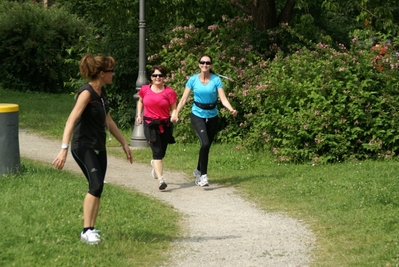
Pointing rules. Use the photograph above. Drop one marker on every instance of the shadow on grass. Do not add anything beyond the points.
(142, 236)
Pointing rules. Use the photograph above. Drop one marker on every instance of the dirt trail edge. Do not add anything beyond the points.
(221, 229)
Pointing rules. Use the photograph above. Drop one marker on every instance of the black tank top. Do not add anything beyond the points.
(89, 129)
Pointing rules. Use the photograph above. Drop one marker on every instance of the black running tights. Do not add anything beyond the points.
(206, 130)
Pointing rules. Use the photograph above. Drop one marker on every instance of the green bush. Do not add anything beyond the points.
(33, 46)
(324, 105)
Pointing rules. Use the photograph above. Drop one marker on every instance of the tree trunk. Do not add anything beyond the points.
(264, 14)
(288, 12)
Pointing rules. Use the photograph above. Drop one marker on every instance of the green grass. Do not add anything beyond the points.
(41, 221)
(44, 113)
(351, 207)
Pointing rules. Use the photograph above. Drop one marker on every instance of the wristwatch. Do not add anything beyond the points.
(64, 146)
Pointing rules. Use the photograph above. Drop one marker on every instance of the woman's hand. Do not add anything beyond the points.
(234, 112)
(60, 160)
(174, 118)
(128, 153)
(139, 119)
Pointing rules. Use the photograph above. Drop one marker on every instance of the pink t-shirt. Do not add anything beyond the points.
(157, 105)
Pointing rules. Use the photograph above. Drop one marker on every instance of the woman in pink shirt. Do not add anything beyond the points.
(158, 102)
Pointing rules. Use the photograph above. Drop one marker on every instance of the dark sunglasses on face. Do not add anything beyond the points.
(205, 62)
(109, 71)
(157, 75)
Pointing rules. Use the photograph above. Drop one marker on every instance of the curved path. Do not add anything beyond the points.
(222, 229)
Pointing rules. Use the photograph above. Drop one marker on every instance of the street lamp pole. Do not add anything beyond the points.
(137, 139)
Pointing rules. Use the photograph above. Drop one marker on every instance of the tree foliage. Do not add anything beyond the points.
(33, 47)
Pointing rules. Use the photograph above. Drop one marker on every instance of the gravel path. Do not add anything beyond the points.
(222, 229)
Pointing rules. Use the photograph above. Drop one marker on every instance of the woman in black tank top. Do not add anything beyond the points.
(86, 124)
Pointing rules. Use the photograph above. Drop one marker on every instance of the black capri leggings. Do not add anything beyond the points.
(94, 167)
(162, 140)
(206, 130)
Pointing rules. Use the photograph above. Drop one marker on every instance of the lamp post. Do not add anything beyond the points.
(137, 139)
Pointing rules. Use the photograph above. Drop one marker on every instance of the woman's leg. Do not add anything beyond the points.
(206, 130)
(158, 149)
(91, 205)
(94, 167)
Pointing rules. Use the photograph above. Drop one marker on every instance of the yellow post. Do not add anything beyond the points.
(9, 142)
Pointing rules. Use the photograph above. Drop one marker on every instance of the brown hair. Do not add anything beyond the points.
(161, 68)
(205, 55)
(90, 66)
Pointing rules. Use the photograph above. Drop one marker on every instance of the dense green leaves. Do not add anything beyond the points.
(32, 47)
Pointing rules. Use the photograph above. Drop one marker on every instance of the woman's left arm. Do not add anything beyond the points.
(114, 130)
(226, 102)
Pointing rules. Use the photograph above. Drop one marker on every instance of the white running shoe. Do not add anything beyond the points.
(90, 237)
(202, 181)
(153, 171)
(162, 184)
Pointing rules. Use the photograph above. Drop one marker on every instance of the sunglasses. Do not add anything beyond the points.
(157, 75)
(109, 71)
(205, 62)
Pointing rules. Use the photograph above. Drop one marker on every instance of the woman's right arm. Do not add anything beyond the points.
(81, 103)
(139, 115)
(183, 100)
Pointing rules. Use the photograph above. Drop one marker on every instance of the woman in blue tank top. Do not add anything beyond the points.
(206, 87)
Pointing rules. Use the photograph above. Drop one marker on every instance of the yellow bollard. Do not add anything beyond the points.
(9, 142)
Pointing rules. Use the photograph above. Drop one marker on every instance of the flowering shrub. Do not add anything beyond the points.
(316, 104)
(323, 105)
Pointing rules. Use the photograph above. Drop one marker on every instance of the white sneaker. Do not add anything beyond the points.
(91, 237)
(162, 184)
(202, 181)
(154, 175)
